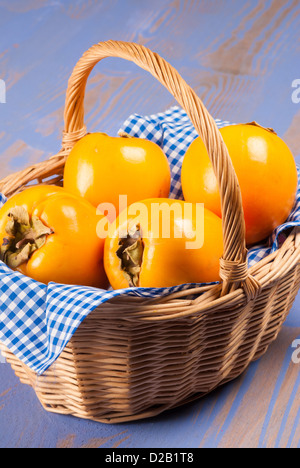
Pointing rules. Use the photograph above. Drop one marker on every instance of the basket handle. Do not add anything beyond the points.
(233, 265)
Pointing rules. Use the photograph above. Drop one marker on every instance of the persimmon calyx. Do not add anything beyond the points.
(130, 253)
(122, 134)
(25, 236)
(271, 130)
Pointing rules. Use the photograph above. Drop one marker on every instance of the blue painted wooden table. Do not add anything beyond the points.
(242, 58)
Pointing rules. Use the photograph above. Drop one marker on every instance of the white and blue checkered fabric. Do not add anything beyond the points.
(37, 320)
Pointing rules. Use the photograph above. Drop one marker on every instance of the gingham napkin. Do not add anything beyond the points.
(37, 321)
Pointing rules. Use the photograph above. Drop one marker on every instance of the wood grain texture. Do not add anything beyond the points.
(260, 409)
(241, 57)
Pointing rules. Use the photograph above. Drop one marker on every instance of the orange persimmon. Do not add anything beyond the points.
(266, 171)
(51, 235)
(100, 168)
(162, 243)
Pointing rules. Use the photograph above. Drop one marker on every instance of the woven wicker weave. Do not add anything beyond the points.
(134, 358)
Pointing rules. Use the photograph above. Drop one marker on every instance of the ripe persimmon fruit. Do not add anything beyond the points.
(162, 243)
(266, 171)
(100, 168)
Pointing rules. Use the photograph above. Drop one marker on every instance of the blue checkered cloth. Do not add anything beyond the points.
(38, 320)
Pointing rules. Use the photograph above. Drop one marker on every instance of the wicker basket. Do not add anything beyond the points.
(134, 358)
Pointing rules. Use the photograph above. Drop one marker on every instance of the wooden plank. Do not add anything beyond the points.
(259, 409)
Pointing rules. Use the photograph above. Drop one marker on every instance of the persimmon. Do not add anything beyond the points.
(50, 235)
(266, 171)
(162, 243)
(100, 168)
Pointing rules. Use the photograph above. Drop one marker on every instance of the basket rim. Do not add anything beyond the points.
(269, 270)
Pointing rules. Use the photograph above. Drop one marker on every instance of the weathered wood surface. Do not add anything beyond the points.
(242, 58)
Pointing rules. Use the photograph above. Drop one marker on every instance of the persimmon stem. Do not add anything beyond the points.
(260, 126)
(130, 253)
(122, 134)
(24, 237)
